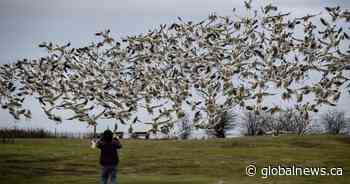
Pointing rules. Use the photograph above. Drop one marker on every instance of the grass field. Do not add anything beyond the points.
(35, 161)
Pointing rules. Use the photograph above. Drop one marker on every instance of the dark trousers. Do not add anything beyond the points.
(109, 172)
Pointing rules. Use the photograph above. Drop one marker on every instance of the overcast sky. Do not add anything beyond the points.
(26, 23)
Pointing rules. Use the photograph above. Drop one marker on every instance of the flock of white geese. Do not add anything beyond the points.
(238, 59)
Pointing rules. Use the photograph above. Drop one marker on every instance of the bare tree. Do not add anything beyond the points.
(130, 130)
(225, 121)
(291, 121)
(300, 123)
(250, 121)
(257, 123)
(335, 121)
(185, 128)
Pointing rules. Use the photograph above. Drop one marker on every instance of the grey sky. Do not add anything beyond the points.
(25, 23)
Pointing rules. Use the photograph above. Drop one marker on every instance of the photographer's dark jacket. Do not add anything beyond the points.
(109, 152)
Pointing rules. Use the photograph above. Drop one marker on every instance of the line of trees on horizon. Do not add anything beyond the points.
(251, 124)
(290, 121)
(11, 133)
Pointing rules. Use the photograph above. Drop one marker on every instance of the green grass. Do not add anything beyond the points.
(35, 161)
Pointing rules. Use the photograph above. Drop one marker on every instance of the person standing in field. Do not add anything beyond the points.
(109, 158)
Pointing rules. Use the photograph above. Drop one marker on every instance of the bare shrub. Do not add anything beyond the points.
(225, 121)
(256, 123)
(291, 121)
(335, 122)
(185, 128)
